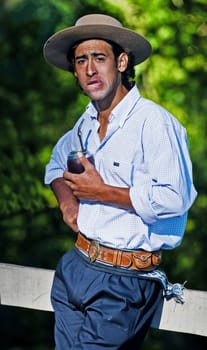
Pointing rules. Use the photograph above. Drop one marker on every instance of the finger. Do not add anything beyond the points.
(71, 222)
(68, 176)
(74, 227)
(85, 162)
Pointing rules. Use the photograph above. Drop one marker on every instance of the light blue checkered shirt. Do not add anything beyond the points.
(146, 150)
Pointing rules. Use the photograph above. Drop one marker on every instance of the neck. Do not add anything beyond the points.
(105, 107)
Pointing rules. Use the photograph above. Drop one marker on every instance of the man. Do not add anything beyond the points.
(128, 207)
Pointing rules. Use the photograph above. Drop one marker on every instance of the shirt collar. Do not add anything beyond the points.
(122, 111)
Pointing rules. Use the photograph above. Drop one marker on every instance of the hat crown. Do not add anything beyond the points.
(98, 19)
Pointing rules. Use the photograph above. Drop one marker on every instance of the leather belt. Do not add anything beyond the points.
(135, 260)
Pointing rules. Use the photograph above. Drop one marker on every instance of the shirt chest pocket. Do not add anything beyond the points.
(116, 172)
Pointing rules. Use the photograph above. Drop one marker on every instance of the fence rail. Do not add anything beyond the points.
(30, 287)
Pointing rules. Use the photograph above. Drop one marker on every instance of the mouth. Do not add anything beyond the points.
(95, 83)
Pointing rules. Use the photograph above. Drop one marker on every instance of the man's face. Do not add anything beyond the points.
(96, 70)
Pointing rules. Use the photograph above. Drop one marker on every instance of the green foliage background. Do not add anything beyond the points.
(40, 103)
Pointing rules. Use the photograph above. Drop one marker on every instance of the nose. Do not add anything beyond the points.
(91, 68)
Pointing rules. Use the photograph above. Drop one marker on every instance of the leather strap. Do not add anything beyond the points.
(135, 260)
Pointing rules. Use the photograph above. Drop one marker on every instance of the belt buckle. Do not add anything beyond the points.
(94, 245)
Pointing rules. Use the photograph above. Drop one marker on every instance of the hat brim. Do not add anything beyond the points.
(57, 46)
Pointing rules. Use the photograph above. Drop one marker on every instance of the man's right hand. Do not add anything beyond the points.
(70, 214)
(68, 203)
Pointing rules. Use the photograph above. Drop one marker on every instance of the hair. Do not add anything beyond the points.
(128, 76)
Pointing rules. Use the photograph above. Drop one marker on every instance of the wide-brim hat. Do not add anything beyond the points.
(94, 26)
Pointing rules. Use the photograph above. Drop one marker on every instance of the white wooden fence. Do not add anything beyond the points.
(29, 287)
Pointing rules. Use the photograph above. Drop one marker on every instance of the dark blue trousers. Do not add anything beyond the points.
(101, 307)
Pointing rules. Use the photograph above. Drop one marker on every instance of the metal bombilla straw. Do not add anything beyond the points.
(80, 136)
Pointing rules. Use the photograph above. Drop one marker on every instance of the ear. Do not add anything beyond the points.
(122, 62)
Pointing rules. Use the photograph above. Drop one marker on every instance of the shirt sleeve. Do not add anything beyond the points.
(162, 184)
(58, 160)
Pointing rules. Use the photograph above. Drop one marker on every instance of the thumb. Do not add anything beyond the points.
(86, 161)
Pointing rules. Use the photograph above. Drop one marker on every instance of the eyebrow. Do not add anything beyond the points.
(94, 54)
